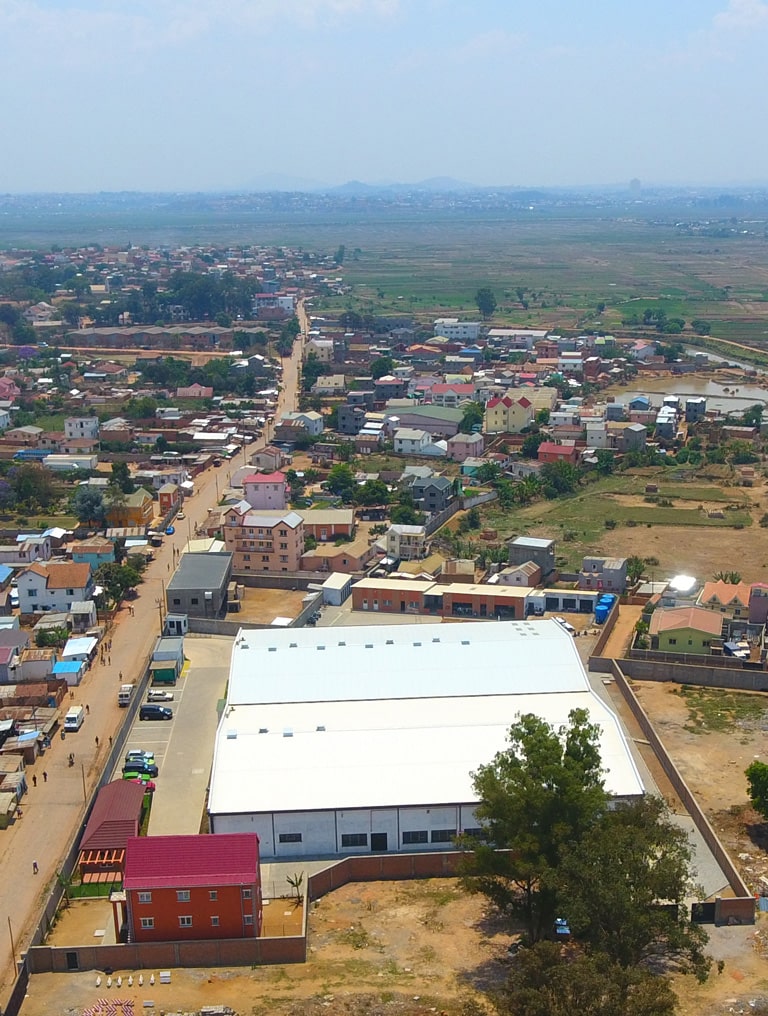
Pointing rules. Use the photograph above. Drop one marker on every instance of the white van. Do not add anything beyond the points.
(75, 718)
(125, 694)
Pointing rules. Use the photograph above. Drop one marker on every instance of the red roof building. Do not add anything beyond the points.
(266, 490)
(115, 818)
(193, 887)
(551, 452)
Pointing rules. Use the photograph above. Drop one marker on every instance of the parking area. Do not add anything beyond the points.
(183, 745)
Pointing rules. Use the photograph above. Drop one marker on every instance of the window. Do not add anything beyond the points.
(70, 592)
(282, 532)
(185, 922)
(247, 894)
(354, 839)
(673, 642)
(443, 835)
(214, 922)
(147, 923)
(182, 896)
(265, 557)
(213, 895)
(194, 601)
(247, 918)
(283, 546)
(289, 838)
(475, 831)
(246, 557)
(145, 897)
(418, 836)
(177, 602)
(284, 558)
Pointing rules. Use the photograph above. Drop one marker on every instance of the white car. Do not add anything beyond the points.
(159, 695)
(568, 627)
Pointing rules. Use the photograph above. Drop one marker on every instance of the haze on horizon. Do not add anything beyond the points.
(186, 95)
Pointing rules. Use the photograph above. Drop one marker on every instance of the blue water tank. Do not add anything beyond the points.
(601, 613)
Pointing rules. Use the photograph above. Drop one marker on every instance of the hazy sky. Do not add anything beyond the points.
(213, 94)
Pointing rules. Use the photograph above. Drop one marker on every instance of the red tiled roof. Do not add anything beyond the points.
(62, 575)
(159, 862)
(115, 816)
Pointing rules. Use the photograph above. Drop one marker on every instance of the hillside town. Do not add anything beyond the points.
(201, 465)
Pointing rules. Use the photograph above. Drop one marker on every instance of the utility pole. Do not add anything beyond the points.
(13, 947)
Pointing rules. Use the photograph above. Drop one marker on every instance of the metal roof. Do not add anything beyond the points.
(156, 862)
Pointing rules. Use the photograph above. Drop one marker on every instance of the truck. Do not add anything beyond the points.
(125, 694)
(74, 719)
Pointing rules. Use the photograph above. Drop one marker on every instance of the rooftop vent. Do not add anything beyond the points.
(232, 734)
(263, 730)
(390, 642)
(288, 732)
(417, 643)
(465, 642)
(369, 645)
(272, 649)
(292, 645)
(342, 643)
(321, 647)
(320, 727)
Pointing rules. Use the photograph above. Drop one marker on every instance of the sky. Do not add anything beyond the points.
(188, 95)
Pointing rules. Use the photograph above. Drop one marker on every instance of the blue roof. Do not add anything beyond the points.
(67, 667)
(5, 573)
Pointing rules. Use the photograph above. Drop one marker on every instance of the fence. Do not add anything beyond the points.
(382, 868)
(605, 634)
(706, 675)
(478, 499)
(742, 908)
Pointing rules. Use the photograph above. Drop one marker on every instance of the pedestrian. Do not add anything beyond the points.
(97, 741)
(45, 776)
(34, 781)
(110, 661)
(87, 709)
(35, 868)
(121, 675)
(110, 740)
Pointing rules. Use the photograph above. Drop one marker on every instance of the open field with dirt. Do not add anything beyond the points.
(684, 532)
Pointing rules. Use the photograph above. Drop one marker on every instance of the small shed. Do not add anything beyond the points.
(8, 803)
(336, 588)
(81, 649)
(71, 671)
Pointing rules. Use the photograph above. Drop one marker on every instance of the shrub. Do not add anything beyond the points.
(610, 523)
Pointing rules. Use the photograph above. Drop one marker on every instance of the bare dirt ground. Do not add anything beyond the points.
(399, 947)
(695, 551)
(262, 606)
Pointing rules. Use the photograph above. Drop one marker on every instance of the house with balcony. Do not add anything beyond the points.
(730, 598)
(608, 574)
(406, 543)
(187, 888)
(508, 415)
(263, 540)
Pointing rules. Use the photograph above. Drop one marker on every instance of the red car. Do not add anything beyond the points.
(149, 786)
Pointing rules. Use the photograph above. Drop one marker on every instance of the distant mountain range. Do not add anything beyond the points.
(282, 182)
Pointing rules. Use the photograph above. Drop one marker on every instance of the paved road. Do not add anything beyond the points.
(53, 811)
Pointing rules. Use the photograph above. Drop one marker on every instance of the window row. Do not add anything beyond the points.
(183, 895)
(148, 923)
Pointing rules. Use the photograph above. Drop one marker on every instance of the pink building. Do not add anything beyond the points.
(266, 491)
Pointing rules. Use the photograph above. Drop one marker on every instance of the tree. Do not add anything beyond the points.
(558, 478)
(116, 580)
(486, 301)
(546, 982)
(605, 461)
(88, 505)
(753, 416)
(32, 485)
(530, 446)
(701, 327)
(536, 800)
(471, 418)
(121, 477)
(616, 878)
(372, 492)
(341, 481)
(731, 577)
(380, 366)
(635, 569)
(757, 782)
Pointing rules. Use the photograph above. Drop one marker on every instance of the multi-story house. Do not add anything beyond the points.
(406, 543)
(81, 427)
(508, 415)
(192, 887)
(432, 494)
(136, 509)
(263, 540)
(608, 574)
(409, 441)
(54, 586)
(266, 490)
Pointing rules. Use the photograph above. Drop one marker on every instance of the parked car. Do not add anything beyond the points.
(135, 776)
(142, 757)
(159, 695)
(149, 785)
(170, 531)
(14, 598)
(143, 769)
(150, 711)
(181, 516)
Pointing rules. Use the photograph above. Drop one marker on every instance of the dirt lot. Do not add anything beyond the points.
(407, 947)
(694, 550)
(262, 606)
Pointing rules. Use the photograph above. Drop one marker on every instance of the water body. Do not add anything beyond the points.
(740, 396)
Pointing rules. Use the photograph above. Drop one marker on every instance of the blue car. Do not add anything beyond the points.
(170, 531)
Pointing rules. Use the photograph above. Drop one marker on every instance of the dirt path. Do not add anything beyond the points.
(53, 811)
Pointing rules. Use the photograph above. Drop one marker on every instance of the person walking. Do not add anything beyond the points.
(45, 776)
(35, 868)
(34, 781)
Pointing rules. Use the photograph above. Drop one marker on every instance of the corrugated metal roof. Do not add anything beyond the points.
(157, 862)
(115, 816)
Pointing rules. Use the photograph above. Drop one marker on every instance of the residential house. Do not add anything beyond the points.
(269, 459)
(731, 598)
(271, 541)
(26, 551)
(187, 888)
(465, 446)
(369, 440)
(691, 630)
(169, 498)
(439, 421)
(94, 552)
(136, 509)
(331, 384)
(266, 490)
(9, 662)
(27, 436)
(322, 349)
(527, 575)
(198, 587)
(456, 599)
(347, 558)
(532, 548)
(195, 391)
(311, 421)
(81, 427)
(406, 543)
(433, 494)
(53, 586)
(608, 574)
(350, 419)
(458, 331)
(551, 452)
(326, 524)
(389, 387)
(758, 603)
(409, 441)
(451, 395)
(508, 415)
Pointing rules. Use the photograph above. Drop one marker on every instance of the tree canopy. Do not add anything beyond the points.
(486, 301)
(472, 417)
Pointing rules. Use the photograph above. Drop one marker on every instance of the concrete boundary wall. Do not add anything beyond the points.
(699, 674)
(743, 907)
